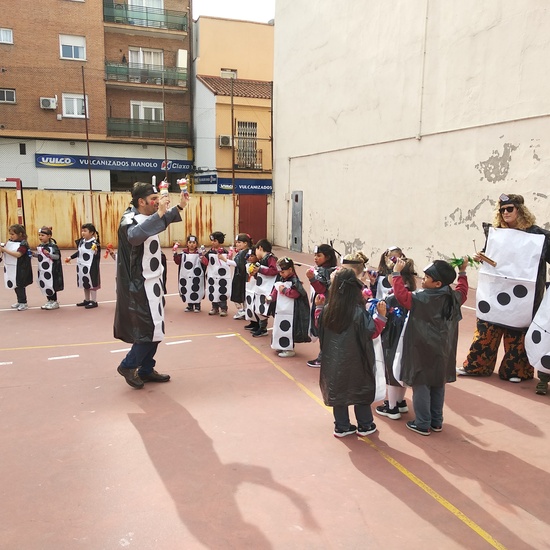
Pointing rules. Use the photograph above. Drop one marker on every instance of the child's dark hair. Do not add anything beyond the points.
(218, 236)
(285, 263)
(408, 274)
(45, 230)
(245, 238)
(19, 230)
(344, 295)
(91, 228)
(329, 253)
(265, 244)
(192, 239)
(383, 268)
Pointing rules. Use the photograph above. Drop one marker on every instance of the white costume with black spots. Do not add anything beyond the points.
(10, 264)
(262, 289)
(506, 293)
(283, 323)
(191, 278)
(249, 298)
(87, 264)
(218, 276)
(152, 275)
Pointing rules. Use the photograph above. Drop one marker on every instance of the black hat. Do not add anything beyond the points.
(442, 271)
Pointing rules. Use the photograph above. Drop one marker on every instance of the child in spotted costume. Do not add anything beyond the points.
(88, 255)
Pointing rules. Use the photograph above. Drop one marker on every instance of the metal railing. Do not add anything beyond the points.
(133, 127)
(249, 159)
(119, 12)
(146, 74)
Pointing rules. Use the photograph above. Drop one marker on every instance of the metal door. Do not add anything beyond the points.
(297, 198)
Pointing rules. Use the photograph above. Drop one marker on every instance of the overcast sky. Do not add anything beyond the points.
(249, 10)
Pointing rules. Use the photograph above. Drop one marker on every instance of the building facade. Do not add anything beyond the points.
(95, 95)
(412, 117)
(233, 64)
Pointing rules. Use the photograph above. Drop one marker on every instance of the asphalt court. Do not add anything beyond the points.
(236, 450)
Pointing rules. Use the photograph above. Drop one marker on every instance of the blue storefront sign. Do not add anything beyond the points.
(112, 163)
(245, 187)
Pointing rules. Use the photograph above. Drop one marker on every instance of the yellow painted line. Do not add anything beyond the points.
(436, 496)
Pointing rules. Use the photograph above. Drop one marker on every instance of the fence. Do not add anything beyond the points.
(66, 211)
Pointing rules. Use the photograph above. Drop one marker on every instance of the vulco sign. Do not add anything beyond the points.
(46, 160)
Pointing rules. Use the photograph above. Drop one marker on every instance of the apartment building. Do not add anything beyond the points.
(94, 94)
(233, 64)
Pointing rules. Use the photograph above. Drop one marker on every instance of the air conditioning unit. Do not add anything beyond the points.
(48, 103)
(225, 141)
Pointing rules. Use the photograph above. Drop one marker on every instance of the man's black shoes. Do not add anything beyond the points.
(131, 376)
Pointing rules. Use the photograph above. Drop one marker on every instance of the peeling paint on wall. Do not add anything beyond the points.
(468, 218)
(534, 148)
(496, 167)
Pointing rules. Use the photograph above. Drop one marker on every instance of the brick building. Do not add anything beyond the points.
(129, 59)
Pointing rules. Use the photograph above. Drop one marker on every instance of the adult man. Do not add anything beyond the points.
(139, 314)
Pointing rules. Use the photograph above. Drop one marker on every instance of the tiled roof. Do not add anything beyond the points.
(259, 89)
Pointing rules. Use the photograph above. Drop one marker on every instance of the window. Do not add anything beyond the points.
(73, 106)
(247, 139)
(159, 4)
(7, 95)
(72, 47)
(228, 73)
(6, 36)
(145, 110)
(154, 59)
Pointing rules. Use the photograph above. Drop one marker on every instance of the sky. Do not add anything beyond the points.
(248, 10)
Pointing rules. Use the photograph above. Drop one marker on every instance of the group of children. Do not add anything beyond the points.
(355, 312)
(18, 275)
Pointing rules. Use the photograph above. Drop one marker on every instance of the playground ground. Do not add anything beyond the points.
(237, 452)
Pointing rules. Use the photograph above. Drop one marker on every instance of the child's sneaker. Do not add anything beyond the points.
(438, 428)
(223, 313)
(15, 306)
(260, 332)
(197, 308)
(239, 315)
(45, 306)
(366, 430)
(214, 311)
(287, 353)
(384, 410)
(402, 406)
(252, 326)
(339, 432)
(22, 307)
(314, 363)
(189, 308)
(411, 424)
(542, 388)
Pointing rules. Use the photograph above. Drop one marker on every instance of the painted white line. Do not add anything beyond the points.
(468, 307)
(7, 363)
(178, 342)
(62, 357)
(120, 350)
(225, 336)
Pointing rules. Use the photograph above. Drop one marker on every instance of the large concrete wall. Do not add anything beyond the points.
(402, 122)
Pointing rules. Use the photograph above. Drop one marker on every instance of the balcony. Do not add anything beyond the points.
(156, 18)
(136, 128)
(249, 159)
(138, 73)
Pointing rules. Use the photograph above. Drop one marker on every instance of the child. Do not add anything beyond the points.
(17, 264)
(88, 256)
(379, 282)
(191, 274)
(249, 315)
(50, 270)
(347, 375)
(291, 310)
(243, 243)
(218, 275)
(358, 262)
(265, 271)
(319, 279)
(395, 404)
(430, 339)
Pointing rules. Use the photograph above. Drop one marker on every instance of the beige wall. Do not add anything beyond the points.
(402, 122)
(66, 211)
(241, 45)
